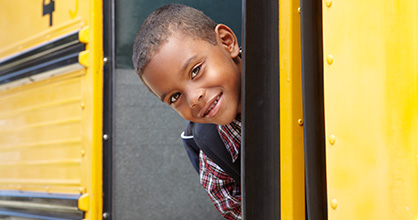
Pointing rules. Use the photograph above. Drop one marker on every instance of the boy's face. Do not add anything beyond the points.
(199, 80)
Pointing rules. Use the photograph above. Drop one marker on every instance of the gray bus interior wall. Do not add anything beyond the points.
(152, 175)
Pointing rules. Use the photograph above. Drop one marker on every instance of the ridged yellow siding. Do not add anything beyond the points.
(24, 25)
(371, 108)
(291, 120)
(40, 135)
(51, 129)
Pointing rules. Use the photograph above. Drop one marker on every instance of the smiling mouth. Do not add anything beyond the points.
(213, 105)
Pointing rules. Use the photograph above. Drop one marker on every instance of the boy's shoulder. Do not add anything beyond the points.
(206, 138)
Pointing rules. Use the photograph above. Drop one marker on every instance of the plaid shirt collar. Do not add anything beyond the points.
(231, 135)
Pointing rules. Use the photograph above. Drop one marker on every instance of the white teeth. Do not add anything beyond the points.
(213, 105)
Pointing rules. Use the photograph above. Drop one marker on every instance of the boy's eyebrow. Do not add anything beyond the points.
(185, 65)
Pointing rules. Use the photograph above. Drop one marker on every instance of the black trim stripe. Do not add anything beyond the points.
(313, 109)
(108, 93)
(260, 163)
(58, 53)
(39, 205)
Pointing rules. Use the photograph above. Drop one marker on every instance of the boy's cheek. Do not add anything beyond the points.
(182, 113)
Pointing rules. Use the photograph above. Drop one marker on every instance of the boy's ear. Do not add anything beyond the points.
(227, 38)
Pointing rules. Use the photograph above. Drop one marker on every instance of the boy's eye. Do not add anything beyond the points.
(174, 98)
(195, 71)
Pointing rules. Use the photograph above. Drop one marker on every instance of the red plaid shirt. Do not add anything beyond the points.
(223, 190)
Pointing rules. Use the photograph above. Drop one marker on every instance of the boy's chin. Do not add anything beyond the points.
(214, 121)
(224, 122)
(224, 118)
(221, 121)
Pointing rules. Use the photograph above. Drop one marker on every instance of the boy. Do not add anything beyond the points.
(193, 64)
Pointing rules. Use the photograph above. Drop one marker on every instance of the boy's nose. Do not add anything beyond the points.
(196, 98)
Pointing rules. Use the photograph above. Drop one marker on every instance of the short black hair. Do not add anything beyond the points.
(159, 26)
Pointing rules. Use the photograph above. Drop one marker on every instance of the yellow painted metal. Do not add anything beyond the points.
(51, 130)
(371, 108)
(40, 140)
(93, 95)
(84, 202)
(24, 26)
(84, 58)
(83, 35)
(291, 121)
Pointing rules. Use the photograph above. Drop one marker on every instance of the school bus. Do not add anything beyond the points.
(330, 112)
(51, 109)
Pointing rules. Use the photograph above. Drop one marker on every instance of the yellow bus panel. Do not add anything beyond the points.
(25, 24)
(291, 120)
(51, 122)
(40, 135)
(371, 108)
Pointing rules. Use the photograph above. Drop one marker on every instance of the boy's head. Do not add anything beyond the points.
(190, 63)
